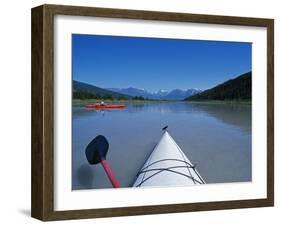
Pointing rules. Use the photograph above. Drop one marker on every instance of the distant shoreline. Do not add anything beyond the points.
(80, 102)
(246, 102)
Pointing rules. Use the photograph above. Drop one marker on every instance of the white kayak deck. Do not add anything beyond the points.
(167, 165)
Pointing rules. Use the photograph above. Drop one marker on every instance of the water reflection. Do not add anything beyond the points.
(232, 114)
(85, 176)
(215, 136)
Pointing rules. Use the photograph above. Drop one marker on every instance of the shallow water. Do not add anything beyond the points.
(215, 137)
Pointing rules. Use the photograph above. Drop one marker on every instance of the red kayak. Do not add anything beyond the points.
(105, 106)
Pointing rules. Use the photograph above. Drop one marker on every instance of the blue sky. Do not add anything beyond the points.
(154, 64)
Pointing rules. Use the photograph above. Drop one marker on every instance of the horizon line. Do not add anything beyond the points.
(160, 88)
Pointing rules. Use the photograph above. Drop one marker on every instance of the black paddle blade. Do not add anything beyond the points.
(97, 149)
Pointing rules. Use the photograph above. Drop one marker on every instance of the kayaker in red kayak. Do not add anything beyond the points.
(104, 106)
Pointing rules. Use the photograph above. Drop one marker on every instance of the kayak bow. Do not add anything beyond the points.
(167, 165)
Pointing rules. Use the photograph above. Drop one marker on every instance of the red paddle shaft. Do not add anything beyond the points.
(110, 174)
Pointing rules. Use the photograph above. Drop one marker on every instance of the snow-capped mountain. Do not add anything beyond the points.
(162, 93)
(176, 94)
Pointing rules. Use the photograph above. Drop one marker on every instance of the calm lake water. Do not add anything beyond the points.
(215, 137)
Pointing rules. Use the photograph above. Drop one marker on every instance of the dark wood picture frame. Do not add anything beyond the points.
(42, 203)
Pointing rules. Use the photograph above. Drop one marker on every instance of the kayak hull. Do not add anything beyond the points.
(167, 165)
(104, 107)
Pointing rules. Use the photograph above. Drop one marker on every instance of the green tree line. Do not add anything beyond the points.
(82, 95)
(86, 95)
(239, 88)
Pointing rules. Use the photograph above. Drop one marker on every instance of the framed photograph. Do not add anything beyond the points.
(141, 112)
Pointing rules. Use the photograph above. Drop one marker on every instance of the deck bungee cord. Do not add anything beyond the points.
(169, 169)
(167, 165)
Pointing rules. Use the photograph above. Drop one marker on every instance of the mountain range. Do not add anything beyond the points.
(239, 88)
(175, 94)
(82, 90)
